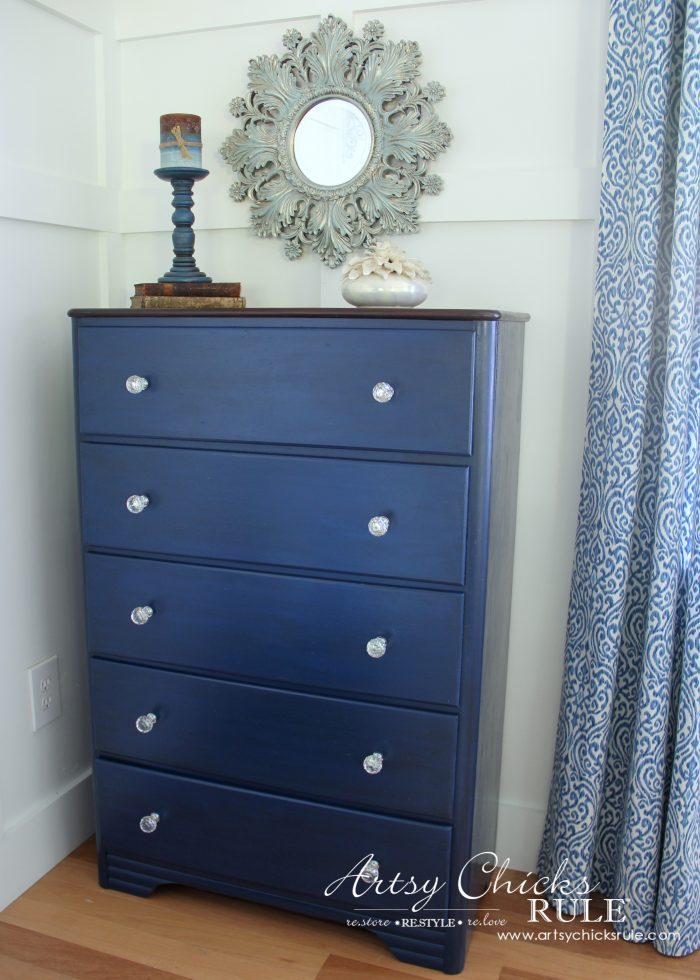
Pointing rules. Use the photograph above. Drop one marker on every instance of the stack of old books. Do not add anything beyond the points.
(187, 296)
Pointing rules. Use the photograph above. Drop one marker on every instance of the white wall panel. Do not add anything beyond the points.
(30, 196)
(56, 177)
(97, 17)
(44, 775)
(136, 19)
(48, 81)
(41, 588)
(522, 79)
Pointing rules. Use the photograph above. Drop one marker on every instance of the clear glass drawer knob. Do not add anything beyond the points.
(382, 392)
(373, 763)
(141, 614)
(376, 647)
(378, 526)
(135, 384)
(146, 723)
(149, 823)
(370, 872)
(137, 502)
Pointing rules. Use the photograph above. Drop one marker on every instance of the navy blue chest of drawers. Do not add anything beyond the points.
(298, 532)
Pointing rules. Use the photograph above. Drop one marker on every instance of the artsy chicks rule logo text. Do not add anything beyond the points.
(572, 896)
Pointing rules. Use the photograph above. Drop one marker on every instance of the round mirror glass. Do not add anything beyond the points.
(332, 142)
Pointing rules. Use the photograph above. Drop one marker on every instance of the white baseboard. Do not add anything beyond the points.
(519, 835)
(32, 845)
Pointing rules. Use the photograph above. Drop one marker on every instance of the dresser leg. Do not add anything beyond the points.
(428, 948)
(124, 875)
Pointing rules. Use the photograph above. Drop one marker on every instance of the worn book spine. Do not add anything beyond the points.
(187, 303)
(187, 289)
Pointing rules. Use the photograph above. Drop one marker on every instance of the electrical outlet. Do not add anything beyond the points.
(45, 693)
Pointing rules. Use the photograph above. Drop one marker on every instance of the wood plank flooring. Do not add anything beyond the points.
(66, 926)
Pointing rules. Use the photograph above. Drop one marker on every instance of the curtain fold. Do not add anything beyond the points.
(624, 807)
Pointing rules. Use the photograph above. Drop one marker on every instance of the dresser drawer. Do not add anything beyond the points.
(280, 740)
(286, 629)
(281, 385)
(259, 839)
(278, 510)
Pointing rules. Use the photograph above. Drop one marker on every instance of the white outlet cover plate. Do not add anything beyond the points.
(44, 693)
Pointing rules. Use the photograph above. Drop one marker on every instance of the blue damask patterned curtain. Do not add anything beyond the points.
(624, 809)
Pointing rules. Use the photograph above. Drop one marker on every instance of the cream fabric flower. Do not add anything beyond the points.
(383, 259)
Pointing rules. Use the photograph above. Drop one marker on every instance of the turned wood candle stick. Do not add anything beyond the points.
(181, 159)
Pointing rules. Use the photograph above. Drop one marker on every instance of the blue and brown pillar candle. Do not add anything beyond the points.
(180, 140)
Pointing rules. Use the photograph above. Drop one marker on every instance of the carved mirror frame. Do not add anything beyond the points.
(378, 76)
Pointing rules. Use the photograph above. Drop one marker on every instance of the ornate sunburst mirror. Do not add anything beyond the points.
(337, 136)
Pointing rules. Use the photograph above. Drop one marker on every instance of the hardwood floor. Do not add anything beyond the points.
(66, 926)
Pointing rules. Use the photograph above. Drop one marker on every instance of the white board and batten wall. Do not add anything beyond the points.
(82, 218)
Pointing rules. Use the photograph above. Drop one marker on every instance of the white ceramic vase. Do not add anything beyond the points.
(375, 290)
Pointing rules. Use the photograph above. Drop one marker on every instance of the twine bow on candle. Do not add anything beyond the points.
(177, 133)
(180, 142)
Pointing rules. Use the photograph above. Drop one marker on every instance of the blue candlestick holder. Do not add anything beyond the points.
(184, 267)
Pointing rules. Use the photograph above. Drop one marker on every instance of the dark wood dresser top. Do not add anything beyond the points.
(340, 312)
